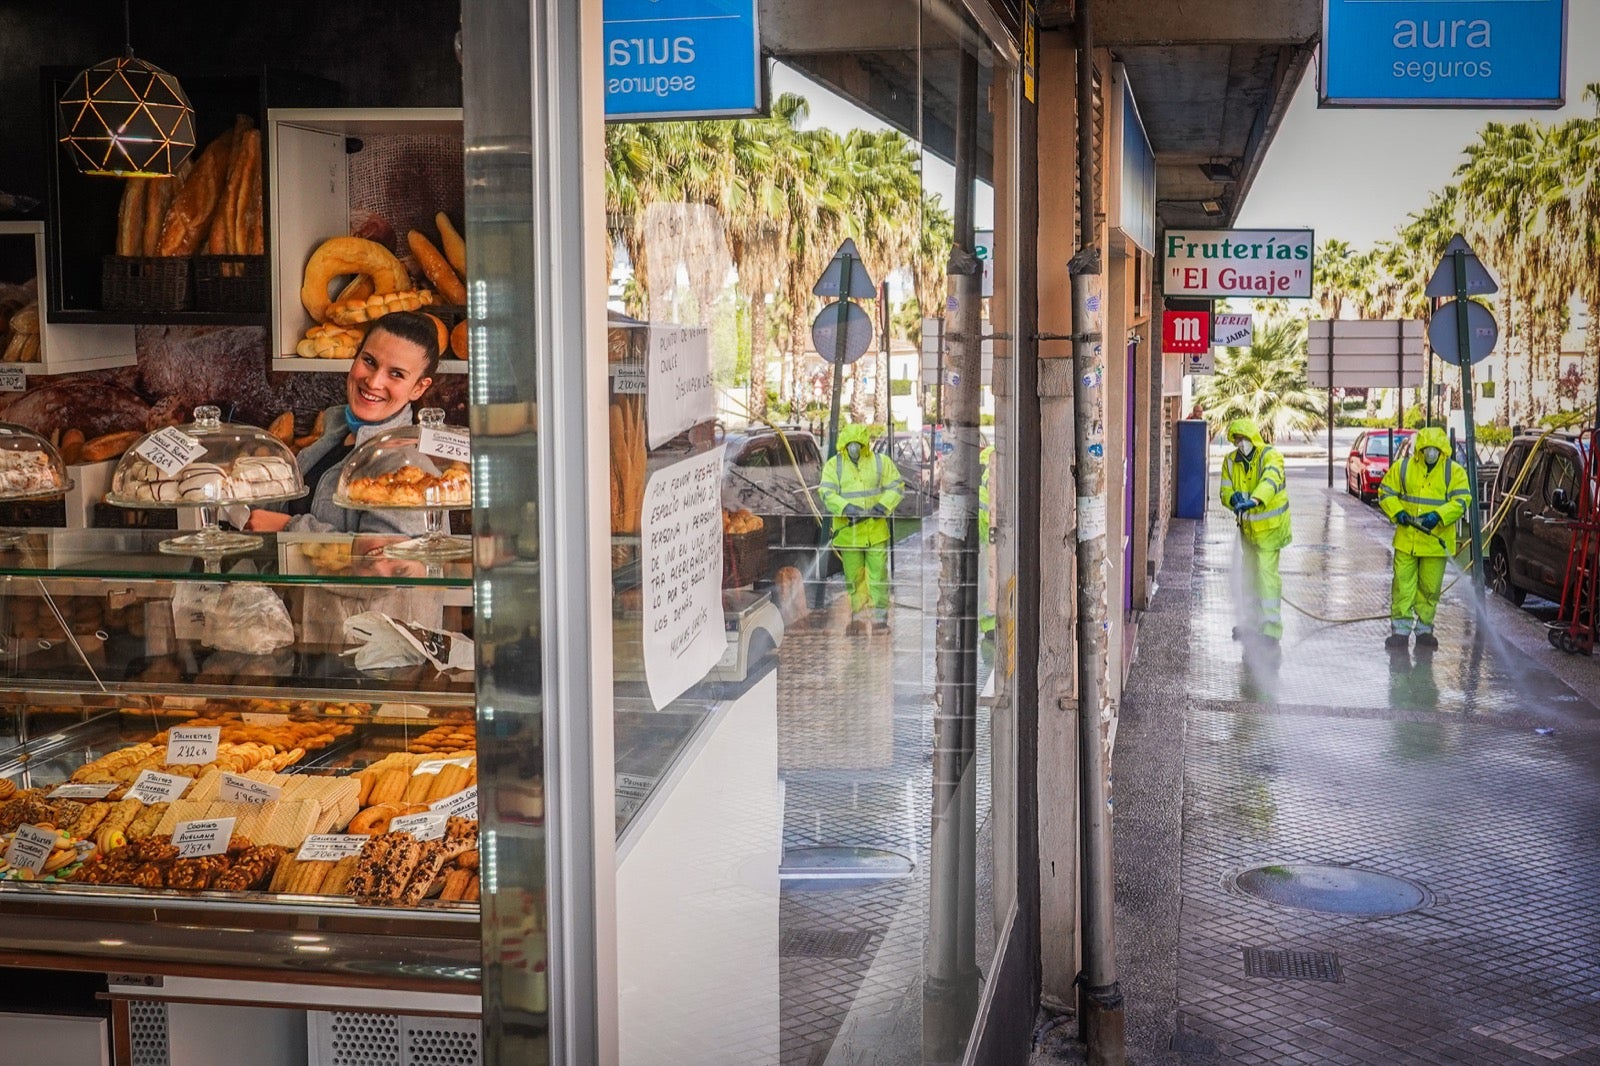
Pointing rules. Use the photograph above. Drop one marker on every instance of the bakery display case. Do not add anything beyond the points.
(259, 771)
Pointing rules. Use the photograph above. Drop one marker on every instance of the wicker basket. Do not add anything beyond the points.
(232, 283)
(744, 558)
(146, 283)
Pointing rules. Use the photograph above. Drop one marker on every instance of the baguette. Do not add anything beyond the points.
(130, 216)
(282, 427)
(72, 447)
(188, 220)
(437, 268)
(236, 192)
(157, 202)
(455, 249)
(109, 446)
(255, 243)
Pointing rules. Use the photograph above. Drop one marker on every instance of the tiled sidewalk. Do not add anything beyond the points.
(1473, 773)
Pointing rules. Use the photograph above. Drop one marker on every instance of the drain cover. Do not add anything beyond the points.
(824, 943)
(1331, 890)
(834, 863)
(1279, 963)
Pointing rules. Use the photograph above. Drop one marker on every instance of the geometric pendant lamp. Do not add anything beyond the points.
(127, 118)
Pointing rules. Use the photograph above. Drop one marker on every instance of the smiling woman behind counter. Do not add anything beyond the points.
(393, 369)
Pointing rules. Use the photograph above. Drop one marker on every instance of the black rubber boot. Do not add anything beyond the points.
(1427, 640)
(1395, 640)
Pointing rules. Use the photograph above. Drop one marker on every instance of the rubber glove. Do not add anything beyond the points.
(1430, 520)
(853, 510)
(1404, 519)
(1240, 502)
(880, 511)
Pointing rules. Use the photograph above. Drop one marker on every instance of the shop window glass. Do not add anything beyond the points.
(817, 812)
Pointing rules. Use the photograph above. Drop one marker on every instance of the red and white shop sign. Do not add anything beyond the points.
(1185, 332)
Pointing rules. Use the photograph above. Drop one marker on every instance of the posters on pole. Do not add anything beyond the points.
(1248, 263)
(679, 393)
(681, 570)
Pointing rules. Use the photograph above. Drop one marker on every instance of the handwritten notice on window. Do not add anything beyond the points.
(680, 392)
(681, 535)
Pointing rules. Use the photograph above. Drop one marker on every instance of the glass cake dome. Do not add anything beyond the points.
(206, 464)
(427, 468)
(30, 469)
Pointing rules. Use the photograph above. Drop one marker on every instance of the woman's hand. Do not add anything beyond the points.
(267, 522)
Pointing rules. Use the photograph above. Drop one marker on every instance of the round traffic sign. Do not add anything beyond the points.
(1482, 333)
(856, 329)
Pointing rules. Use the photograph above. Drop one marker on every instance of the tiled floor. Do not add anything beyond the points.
(856, 731)
(1473, 772)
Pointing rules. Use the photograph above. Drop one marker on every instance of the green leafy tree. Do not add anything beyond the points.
(1265, 382)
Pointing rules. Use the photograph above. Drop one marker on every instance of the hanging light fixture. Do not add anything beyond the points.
(127, 118)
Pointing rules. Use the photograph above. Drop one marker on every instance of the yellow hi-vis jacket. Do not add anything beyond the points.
(1411, 487)
(872, 479)
(1261, 476)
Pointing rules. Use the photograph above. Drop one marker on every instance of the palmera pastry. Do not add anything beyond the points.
(411, 486)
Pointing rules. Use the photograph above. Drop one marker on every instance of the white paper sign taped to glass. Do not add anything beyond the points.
(681, 574)
(681, 393)
(1247, 263)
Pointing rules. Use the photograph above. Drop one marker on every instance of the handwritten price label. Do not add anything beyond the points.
(170, 449)
(81, 792)
(331, 847)
(236, 789)
(13, 379)
(193, 747)
(424, 827)
(194, 839)
(629, 379)
(153, 787)
(30, 848)
(463, 804)
(451, 444)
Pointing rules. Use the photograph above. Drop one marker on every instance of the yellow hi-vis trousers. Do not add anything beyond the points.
(1414, 591)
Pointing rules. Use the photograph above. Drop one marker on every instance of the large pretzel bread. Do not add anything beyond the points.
(338, 256)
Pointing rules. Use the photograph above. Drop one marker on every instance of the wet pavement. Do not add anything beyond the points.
(1471, 775)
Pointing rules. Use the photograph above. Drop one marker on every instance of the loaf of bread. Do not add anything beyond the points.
(188, 221)
(158, 201)
(130, 216)
(109, 446)
(455, 249)
(437, 268)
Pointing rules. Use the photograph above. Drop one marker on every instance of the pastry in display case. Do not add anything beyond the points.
(425, 468)
(30, 469)
(206, 464)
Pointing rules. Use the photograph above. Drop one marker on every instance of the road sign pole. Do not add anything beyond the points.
(1330, 430)
(1463, 338)
(839, 357)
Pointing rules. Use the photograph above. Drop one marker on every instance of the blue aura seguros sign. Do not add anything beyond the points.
(681, 59)
(1443, 53)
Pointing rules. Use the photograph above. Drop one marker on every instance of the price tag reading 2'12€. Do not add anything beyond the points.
(236, 789)
(193, 747)
(451, 444)
(153, 787)
(210, 837)
(170, 449)
(30, 848)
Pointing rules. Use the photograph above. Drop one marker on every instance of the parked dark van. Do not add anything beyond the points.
(1528, 553)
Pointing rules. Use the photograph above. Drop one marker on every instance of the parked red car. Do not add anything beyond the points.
(1369, 460)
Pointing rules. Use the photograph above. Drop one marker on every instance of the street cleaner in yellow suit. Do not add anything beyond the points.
(1255, 489)
(861, 489)
(1424, 494)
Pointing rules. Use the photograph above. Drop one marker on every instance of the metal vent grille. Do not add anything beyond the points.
(351, 1038)
(441, 1042)
(147, 1033)
(1292, 965)
(824, 943)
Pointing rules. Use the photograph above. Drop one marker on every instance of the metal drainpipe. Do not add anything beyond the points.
(1100, 1007)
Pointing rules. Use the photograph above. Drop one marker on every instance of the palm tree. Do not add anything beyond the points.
(1265, 382)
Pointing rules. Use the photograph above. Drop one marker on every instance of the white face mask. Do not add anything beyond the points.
(853, 450)
(1246, 448)
(1430, 455)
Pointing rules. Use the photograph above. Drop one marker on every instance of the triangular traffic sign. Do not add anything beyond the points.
(1443, 282)
(861, 285)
